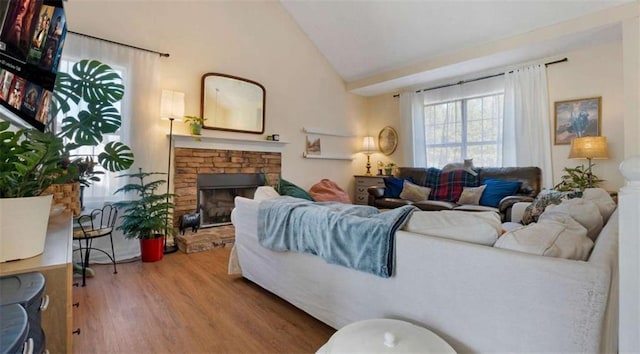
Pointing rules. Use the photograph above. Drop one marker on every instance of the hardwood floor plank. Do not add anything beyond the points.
(187, 303)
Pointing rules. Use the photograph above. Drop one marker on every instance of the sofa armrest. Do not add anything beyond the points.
(517, 211)
(507, 202)
(376, 192)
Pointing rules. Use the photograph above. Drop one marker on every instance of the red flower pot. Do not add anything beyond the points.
(152, 249)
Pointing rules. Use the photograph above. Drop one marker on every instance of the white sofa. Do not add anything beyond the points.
(477, 298)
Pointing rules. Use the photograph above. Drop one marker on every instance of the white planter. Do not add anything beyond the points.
(23, 226)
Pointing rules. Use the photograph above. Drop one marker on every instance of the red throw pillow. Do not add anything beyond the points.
(328, 191)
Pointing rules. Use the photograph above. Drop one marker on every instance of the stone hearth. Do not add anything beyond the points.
(206, 239)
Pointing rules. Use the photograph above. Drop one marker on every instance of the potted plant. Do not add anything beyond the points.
(195, 124)
(31, 161)
(577, 179)
(388, 168)
(146, 218)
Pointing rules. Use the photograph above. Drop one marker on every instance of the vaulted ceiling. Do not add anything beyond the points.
(362, 39)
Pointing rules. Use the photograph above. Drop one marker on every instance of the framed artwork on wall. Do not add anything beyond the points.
(387, 140)
(577, 118)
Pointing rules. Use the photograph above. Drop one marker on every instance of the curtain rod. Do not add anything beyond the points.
(479, 78)
(122, 44)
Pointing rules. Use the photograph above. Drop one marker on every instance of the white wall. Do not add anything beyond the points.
(590, 72)
(253, 40)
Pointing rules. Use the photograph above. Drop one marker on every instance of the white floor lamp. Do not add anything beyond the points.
(171, 108)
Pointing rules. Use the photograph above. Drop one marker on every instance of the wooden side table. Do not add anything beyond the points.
(362, 183)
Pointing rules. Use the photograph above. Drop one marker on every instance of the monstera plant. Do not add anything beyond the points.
(30, 160)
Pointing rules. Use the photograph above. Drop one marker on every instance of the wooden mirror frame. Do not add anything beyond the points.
(203, 95)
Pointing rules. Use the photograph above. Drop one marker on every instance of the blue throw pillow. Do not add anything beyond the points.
(496, 190)
(393, 186)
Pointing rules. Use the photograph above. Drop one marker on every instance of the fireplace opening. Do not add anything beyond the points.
(216, 192)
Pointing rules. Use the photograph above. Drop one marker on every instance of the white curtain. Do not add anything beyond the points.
(526, 139)
(412, 133)
(139, 111)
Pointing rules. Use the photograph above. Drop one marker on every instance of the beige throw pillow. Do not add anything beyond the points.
(471, 195)
(581, 210)
(555, 235)
(414, 192)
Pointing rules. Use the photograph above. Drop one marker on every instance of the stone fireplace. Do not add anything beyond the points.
(231, 168)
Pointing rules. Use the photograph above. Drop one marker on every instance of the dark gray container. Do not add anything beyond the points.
(26, 289)
(14, 329)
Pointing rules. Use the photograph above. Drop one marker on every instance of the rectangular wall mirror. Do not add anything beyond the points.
(232, 103)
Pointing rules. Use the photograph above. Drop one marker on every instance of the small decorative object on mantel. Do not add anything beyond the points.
(387, 140)
(380, 167)
(195, 124)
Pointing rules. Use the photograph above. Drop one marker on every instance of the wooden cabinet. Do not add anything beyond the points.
(55, 263)
(364, 182)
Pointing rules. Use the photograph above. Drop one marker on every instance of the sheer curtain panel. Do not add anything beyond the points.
(139, 111)
(526, 137)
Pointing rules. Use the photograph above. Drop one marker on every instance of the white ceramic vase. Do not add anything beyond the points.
(23, 226)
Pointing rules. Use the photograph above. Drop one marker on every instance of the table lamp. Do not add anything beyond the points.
(368, 147)
(589, 147)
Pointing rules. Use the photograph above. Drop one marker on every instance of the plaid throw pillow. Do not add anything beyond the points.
(447, 186)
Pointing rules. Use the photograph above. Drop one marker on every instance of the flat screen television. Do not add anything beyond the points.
(31, 40)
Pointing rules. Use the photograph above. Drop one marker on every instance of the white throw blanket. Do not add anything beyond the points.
(469, 226)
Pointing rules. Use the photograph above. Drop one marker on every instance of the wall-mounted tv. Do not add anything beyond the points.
(31, 40)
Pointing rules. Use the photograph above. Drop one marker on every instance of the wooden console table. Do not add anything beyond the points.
(55, 263)
(362, 183)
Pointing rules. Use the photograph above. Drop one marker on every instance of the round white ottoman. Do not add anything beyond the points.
(384, 336)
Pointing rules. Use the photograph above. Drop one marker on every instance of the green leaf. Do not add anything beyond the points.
(116, 157)
(99, 82)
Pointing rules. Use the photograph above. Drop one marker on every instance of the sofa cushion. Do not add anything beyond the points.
(414, 192)
(447, 186)
(471, 195)
(393, 186)
(602, 199)
(328, 191)
(555, 235)
(265, 192)
(546, 197)
(391, 203)
(434, 205)
(581, 210)
(471, 207)
(480, 228)
(287, 188)
(496, 189)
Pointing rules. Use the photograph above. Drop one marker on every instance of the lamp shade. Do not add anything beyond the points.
(589, 147)
(368, 144)
(172, 105)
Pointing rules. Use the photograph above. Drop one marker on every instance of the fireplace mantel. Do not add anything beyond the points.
(209, 142)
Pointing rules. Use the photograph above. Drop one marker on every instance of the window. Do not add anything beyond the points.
(464, 129)
(102, 190)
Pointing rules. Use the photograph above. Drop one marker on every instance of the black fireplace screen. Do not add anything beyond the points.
(217, 191)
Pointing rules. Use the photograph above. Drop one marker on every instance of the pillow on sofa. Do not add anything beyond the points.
(328, 191)
(393, 186)
(287, 188)
(544, 198)
(581, 210)
(414, 192)
(556, 235)
(602, 199)
(471, 195)
(265, 192)
(496, 189)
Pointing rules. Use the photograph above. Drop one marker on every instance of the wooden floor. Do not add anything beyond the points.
(187, 303)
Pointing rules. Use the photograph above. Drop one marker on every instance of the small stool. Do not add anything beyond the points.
(385, 336)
